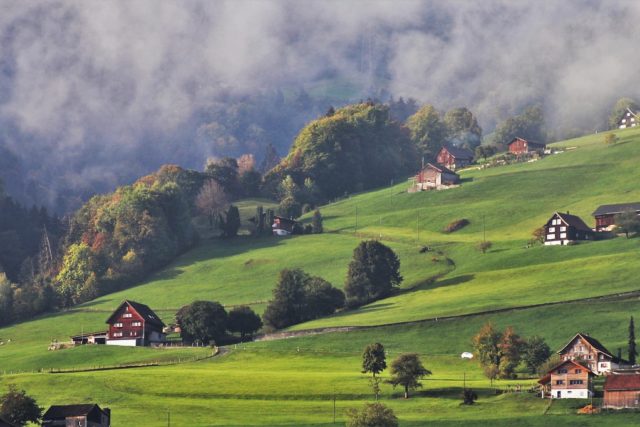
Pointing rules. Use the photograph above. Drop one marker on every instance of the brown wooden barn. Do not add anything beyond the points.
(605, 215)
(520, 146)
(453, 157)
(434, 177)
(622, 390)
(84, 415)
(568, 380)
(134, 324)
(563, 228)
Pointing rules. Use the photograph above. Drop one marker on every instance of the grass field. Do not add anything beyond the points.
(293, 381)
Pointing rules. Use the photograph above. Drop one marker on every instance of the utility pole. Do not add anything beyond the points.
(168, 418)
(356, 220)
(418, 226)
(334, 405)
(484, 230)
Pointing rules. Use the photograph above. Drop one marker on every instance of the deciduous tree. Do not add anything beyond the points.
(628, 222)
(407, 371)
(204, 321)
(535, 352)
(316, 222)
(428, 131)
(244, 321)
(374, 361)
(19, 408)
(211, 200)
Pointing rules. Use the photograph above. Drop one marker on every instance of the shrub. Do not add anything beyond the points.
(372, 415)
(456, 225)
(484, 246)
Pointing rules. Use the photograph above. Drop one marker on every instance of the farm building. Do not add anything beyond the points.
(434, 177)
(563, 228)
(568, 380)
(605, 215)
(134, 324)
(622, 390)
(589, 350)
(90, 338)
(629, 119)
(85, 415)
(284, 226)
(453, 157)
(519, 146)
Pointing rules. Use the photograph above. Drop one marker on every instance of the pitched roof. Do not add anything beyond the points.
(622, 382)
(592, 341)
(147, 314)
(528, 141)
(64, 411)
(547, 377)
(439, 168)
(458, 152)
(616, 209)
(574, 221)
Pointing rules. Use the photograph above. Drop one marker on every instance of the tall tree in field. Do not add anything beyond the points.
(374, 361)
(535, 352)
(510, 347)
(243, 320)
(373, 273)
(204, 321)
(19, 408)
(463, 128)
(407, 371)
(316, 222)
(632, 342)
(486, 345)
(428, 131)
(230, 224)
(628, 222)
(211, 200)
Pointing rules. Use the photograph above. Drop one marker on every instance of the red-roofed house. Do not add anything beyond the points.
(568, 380)
(622, 390)
(519, 146)
(434, 177)
(454, 157)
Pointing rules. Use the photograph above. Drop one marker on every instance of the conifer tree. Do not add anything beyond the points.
(632, 342)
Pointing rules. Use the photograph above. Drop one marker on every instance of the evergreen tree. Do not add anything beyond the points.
(231, 223)
(316, 222)
(632, 342)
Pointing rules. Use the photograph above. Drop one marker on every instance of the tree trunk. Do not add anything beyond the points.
(406, 392)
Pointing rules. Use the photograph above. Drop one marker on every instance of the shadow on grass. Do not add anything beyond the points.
(446, 282)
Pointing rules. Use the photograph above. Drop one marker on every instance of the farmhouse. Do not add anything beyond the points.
(283, 226)
(519, 146)
(563, 228)
(434, 177)
(134, 324)
(589, 350)
(628, 120)
(622, 390)
(453, 157)
(86, 415)
(605, 215)
(568, 380)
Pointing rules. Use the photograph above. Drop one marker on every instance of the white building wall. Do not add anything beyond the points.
(572, 393)
(125, 343)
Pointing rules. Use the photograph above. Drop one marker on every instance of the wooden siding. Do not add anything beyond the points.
(446, 159)
(582, 350)
(622, 399)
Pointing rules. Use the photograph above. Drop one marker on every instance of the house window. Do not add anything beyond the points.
(117, 325)
(578, 371)
(136, 324)
(603, 365)
(574, 382)
(563, 235)
(133, 333)
(552, 229)
(550, 236)
(117, 334)
(562, 371)
(590, 357)
(559, 382)
(127, 315)
(563, 228)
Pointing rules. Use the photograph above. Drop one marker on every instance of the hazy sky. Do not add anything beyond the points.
(80, 78)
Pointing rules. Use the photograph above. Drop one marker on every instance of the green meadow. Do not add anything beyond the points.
(294, 381)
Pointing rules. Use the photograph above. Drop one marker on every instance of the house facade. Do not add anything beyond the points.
(568, 380)
(591, 353)
(622, 390)
(564, 228)
(434, 177)
(134, 324)
(283, 226)
(88, 415)
(629, 119)
(453, 157)
(605, 215)
(520, 146)
(90, 338)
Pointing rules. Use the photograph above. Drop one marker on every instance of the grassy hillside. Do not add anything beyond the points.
(292, 382)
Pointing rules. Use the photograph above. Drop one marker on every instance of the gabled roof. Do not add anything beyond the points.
(592, 341)
(458, 152)
(621, 382)
(547, 377)
(144, 311)
(574, 221)
(439, 168)
(616, 209)
(624, 114)
(528, 141)
(64, 411)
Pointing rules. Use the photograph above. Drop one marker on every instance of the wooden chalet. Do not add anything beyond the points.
(622, 390)
(592, 353)
(568, 380)
(629, 119)
(453, 157)
(563, 228)
(86, 415)
(284, 226)
(434, 177)
(605, 215)
(519, 146)
(134, 324)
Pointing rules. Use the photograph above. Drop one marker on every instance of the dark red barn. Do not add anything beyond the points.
(453, 157)
(134, 324)
(520, 146)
